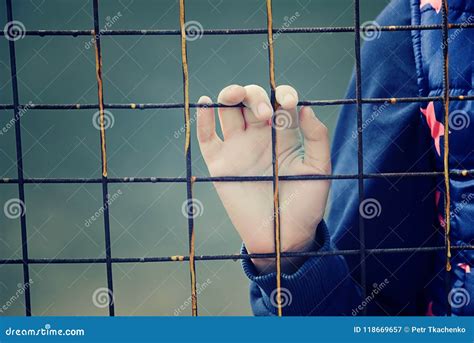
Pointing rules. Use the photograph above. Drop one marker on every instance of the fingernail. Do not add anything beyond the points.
(264, 110)
(288, 99)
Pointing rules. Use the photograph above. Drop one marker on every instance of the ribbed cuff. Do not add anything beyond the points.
(308, 290)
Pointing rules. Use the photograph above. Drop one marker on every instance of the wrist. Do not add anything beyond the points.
(288, 264)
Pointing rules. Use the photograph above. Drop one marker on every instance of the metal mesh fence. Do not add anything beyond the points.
(190, 179)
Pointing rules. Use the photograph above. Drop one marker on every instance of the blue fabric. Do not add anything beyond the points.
(408, 212)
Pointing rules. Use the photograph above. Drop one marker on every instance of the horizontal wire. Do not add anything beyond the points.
(250, 31)
(144, 106)
(180, 258)
(455, 172)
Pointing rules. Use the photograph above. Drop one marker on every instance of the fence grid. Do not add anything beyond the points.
(190, 179)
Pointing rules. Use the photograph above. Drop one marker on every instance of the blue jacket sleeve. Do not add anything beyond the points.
(399, 211)
(321, 286)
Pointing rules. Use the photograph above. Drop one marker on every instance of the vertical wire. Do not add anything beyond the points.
(105, 192)
(360, 161)
(19, 163)
(447, 198)
(187, 150)
(276, 197)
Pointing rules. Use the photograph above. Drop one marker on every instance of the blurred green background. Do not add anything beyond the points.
(146, 219)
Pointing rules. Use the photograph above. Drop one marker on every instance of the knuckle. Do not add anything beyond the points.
(255, 90)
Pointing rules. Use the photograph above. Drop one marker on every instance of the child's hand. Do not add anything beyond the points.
(247, 150)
